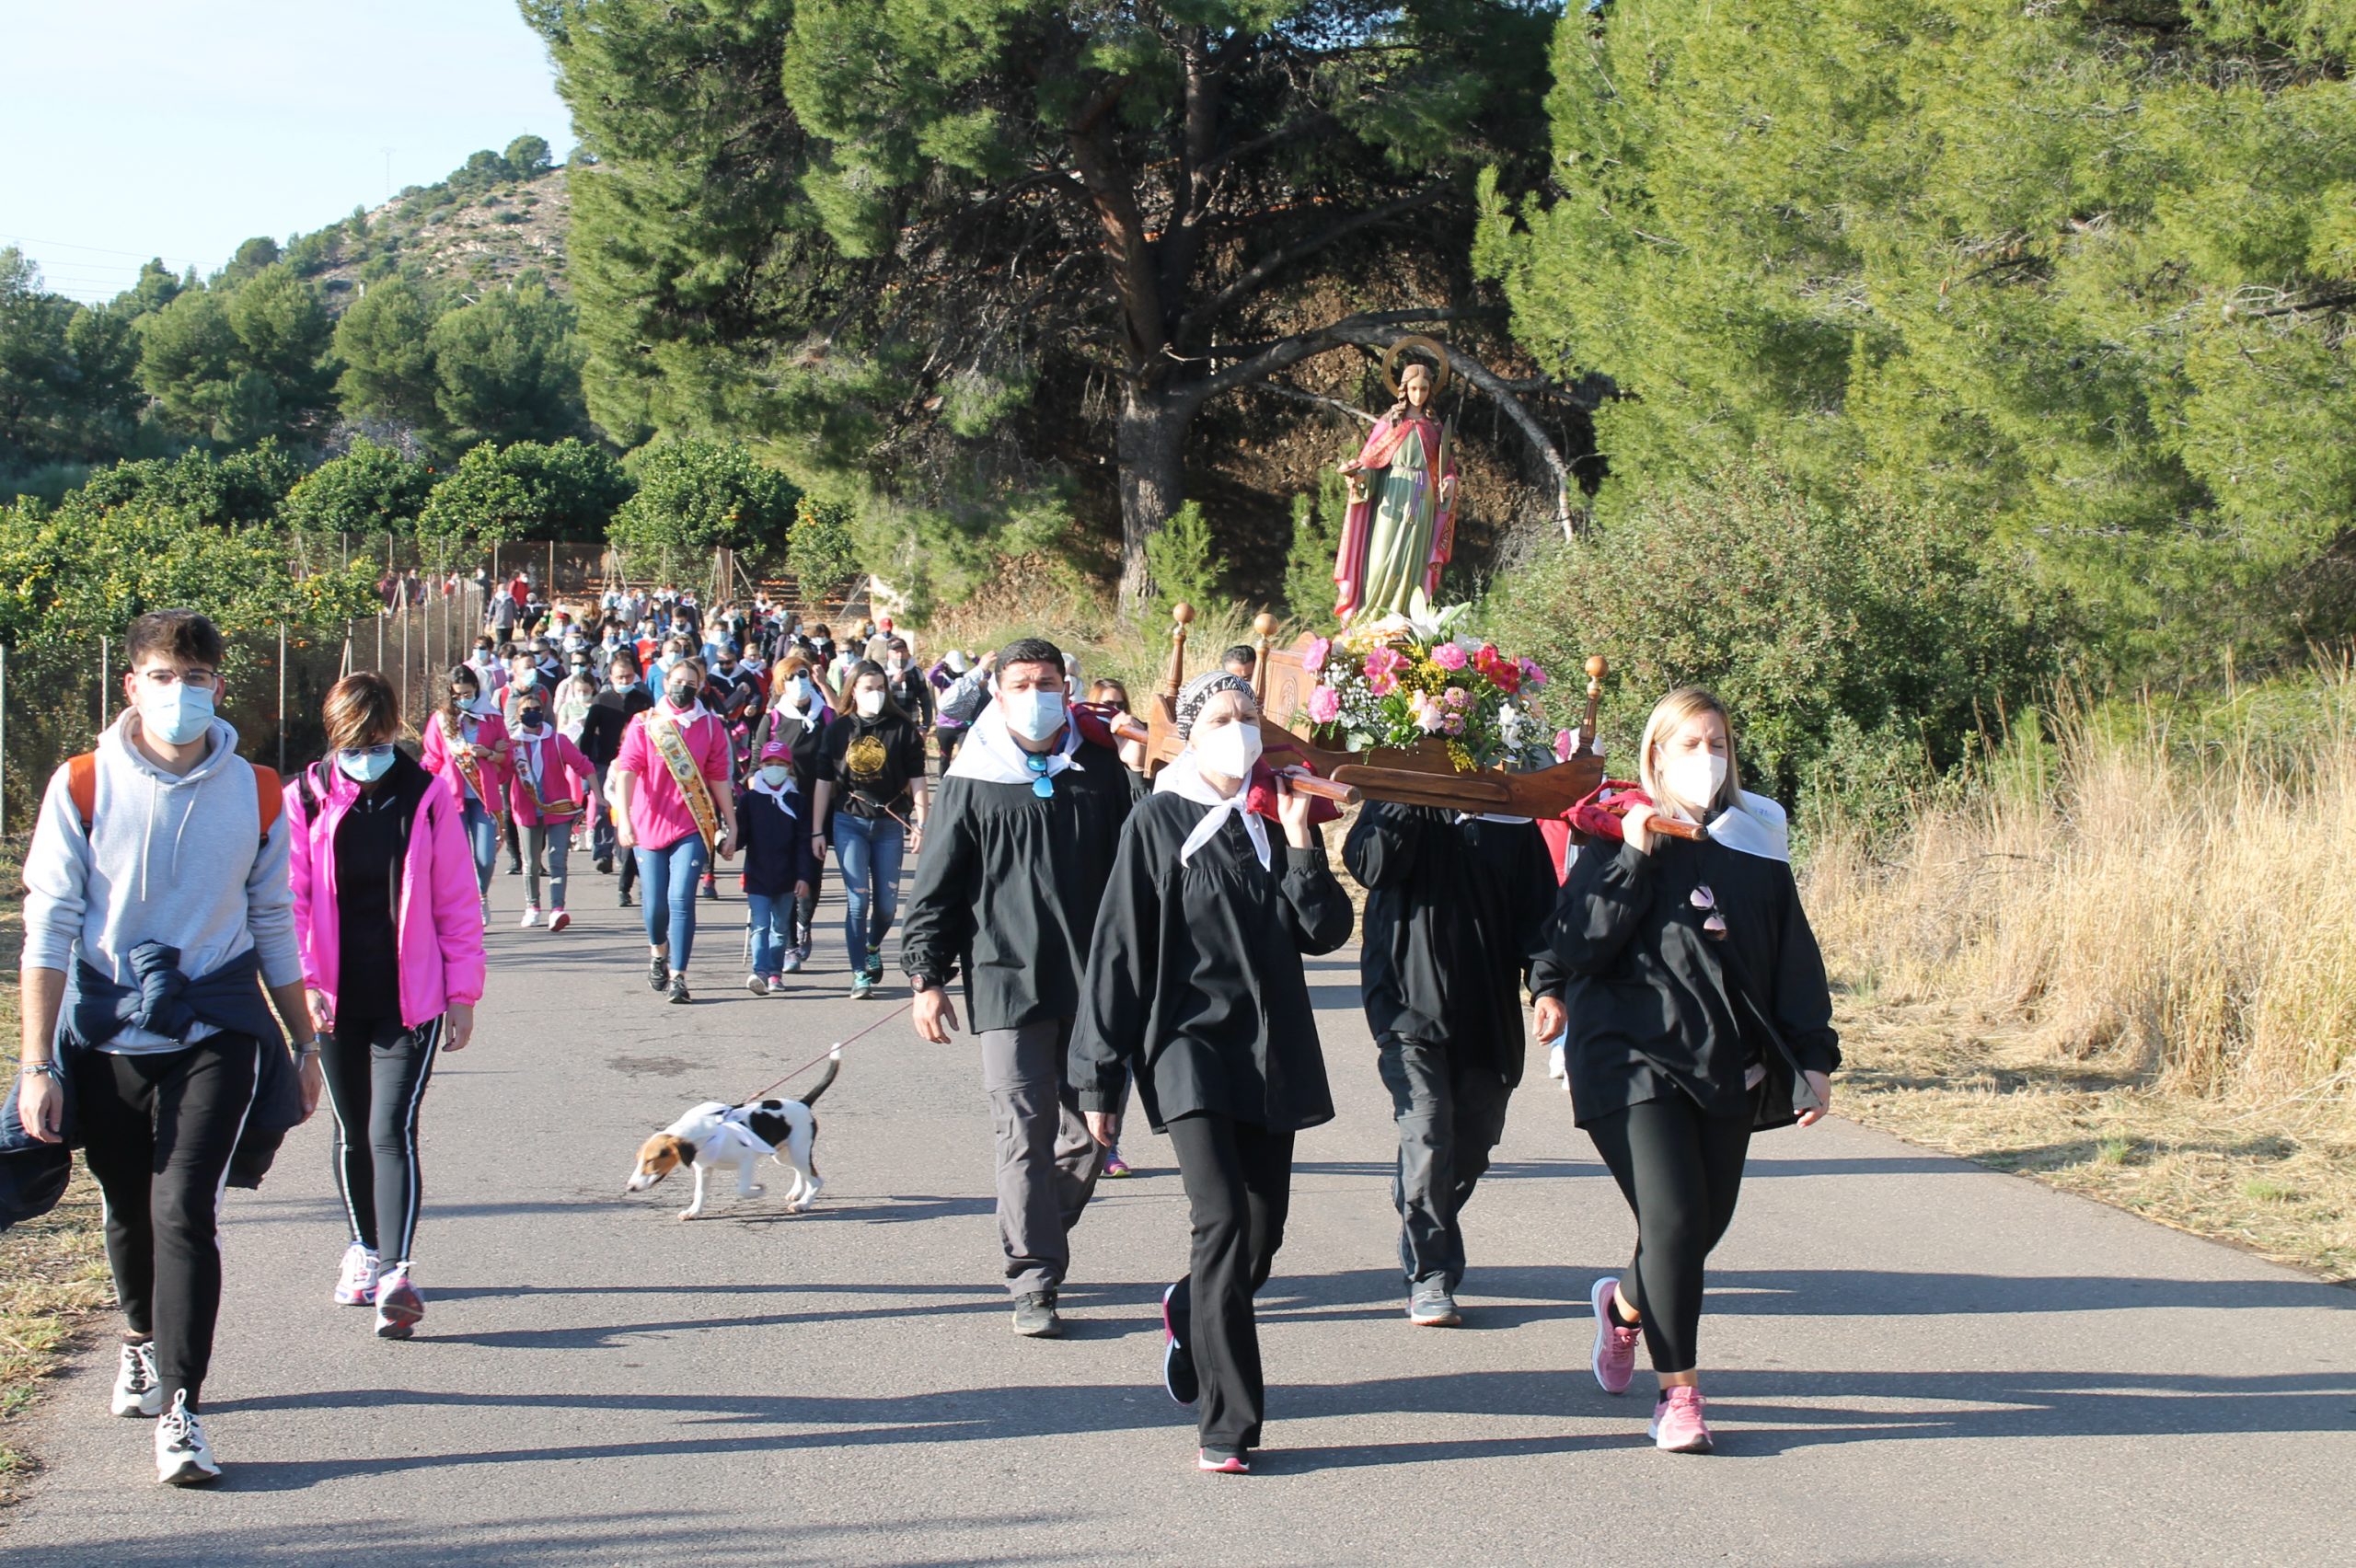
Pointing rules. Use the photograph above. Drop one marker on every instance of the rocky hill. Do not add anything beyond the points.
(455, 234)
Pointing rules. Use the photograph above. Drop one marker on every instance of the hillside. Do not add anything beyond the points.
(458, 234)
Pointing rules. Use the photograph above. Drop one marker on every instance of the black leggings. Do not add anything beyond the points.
(1239, 1185)
(376, 1072)
(1679, 1171)
(158, 1131)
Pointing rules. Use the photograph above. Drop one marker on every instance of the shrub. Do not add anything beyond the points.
(1863, 643)
(820, 549)
(1184, 566)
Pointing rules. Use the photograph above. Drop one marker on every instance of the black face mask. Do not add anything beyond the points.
(532, 716)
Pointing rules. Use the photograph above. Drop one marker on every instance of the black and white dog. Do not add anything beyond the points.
(713, 1135)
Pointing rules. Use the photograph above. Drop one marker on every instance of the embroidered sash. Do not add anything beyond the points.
(550, 810)
(470, 768)
(694, 789)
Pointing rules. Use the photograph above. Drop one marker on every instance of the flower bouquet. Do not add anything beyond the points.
(1412, 682)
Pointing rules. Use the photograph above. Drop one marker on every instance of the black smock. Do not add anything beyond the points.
(1655, 1007)
(1194, 983)
(1008, 887)
(1455, 922)
(610, 713)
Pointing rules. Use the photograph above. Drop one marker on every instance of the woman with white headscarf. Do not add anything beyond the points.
(1195, 987)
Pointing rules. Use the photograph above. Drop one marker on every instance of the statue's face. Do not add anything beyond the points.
(1416, 386)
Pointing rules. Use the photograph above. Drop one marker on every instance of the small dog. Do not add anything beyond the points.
(713, 1135)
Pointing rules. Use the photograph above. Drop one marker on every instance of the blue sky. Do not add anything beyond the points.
(134, 128)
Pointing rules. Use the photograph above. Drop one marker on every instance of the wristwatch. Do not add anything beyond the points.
(307, 1048)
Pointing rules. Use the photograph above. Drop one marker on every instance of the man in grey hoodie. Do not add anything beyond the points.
(157, 909)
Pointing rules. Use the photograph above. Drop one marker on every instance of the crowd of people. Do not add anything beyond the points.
(1111, 935)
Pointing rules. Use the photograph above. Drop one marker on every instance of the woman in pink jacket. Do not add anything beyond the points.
(466, 747)
(385, 907)
(550, 784)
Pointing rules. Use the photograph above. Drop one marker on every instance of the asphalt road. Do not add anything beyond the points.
(1913, 1360)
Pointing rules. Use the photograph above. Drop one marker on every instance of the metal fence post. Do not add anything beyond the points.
(281, 697)
(4, 739)
(102, 684)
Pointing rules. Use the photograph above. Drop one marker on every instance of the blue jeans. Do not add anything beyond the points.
(670, 876)
(772, 931)
(870, 849)
(482, 834)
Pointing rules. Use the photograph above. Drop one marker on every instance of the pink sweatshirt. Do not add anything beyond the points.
(437, 939)
(564, 773)
(659, 816)
(440, 762)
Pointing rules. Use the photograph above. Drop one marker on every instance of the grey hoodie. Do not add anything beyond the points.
(169, 859)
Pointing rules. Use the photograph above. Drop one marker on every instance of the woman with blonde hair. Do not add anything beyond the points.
(385, 907)
(1699, 1012)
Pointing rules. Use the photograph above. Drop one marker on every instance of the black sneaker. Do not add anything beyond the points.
(624, 900)
(1224, 1461)
(679, 988)
(604, 868)
(1035, 1315)
(658, 975)
(1177, 1361)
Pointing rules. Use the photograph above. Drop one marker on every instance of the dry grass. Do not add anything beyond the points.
(2126, 962)
(53, 1277)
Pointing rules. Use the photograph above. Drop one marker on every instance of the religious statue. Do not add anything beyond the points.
(1401, 527)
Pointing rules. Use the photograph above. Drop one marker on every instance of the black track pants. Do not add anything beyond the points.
(376, 1072)
(1680, 1171)
(158, 1131)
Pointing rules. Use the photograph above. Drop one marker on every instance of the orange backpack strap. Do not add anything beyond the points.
(82, 786)
(270, 796)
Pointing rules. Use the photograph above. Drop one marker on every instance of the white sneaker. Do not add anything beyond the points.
(531, 915)
(398, 1305)
(486, 913)
(559, 919)
(1555, 1068)
(357, 1285)
(756, 985)
(182, 1456)
(137, 1390)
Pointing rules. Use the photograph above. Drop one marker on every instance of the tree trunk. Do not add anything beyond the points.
(1150, 447)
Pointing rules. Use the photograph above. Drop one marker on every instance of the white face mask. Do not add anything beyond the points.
(871, 703)
(177, 714)
(1694, 778)
(1228, 751)
(1032, 713)
(775, 777)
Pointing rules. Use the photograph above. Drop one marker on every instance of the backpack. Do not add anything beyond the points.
(82, 785)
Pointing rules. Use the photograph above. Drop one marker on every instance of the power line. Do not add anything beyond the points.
(98, 250)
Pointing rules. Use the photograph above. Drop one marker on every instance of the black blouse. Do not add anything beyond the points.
(1195, 984)
(1659, 1005)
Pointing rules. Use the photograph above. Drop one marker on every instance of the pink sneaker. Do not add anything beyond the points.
(1615, 1345)
(1678, 1426)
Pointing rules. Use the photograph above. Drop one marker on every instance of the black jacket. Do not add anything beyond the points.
(1455, 921)
(1654, 1000)
(1008, 886)
(1195, 984)
(774, 831)
(610, 713)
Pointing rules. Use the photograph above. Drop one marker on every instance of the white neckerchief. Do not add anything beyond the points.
(682, 719)
(531, 745)
(1184, 778)
(990, 754)
(1464, 817)
(1755, 826)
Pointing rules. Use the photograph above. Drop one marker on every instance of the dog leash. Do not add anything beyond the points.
(829, 1051)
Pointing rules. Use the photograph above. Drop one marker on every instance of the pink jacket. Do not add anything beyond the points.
(558, 757)
(438, 939)
(491, 732)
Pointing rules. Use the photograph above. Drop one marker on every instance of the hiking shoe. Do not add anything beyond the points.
(862, 987)
(182, 1456)
(756, 985)
(1114, 1165)
(559, 920)
(658, 975)
(1223, 1461)
(1678, 1426)
(777, 984)
(356, 1287)
(680, 987)
(137, 1390)
(398, 1306)
(1177, 1362)
(1035, 1315)
(531, 915)
(1615, 1342)
(1431, 1306)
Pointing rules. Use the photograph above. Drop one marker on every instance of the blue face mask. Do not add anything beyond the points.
(177, 714)
(365, 765)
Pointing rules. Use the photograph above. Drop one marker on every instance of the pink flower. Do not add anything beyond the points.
(1313, 659)
(1429, 715)
(1382, 667)
(1565, 742)
(1457, 696)
(1453, 724)
(1448, 656)
(1532, 675)
(1325, 705)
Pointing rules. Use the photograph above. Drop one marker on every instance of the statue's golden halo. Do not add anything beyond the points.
(1431, 346)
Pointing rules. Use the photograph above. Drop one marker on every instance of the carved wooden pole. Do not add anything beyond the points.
(1176, 677)
(1265, 624)
(1596, 667)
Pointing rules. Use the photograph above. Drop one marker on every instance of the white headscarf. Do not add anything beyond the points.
(1184, 777)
